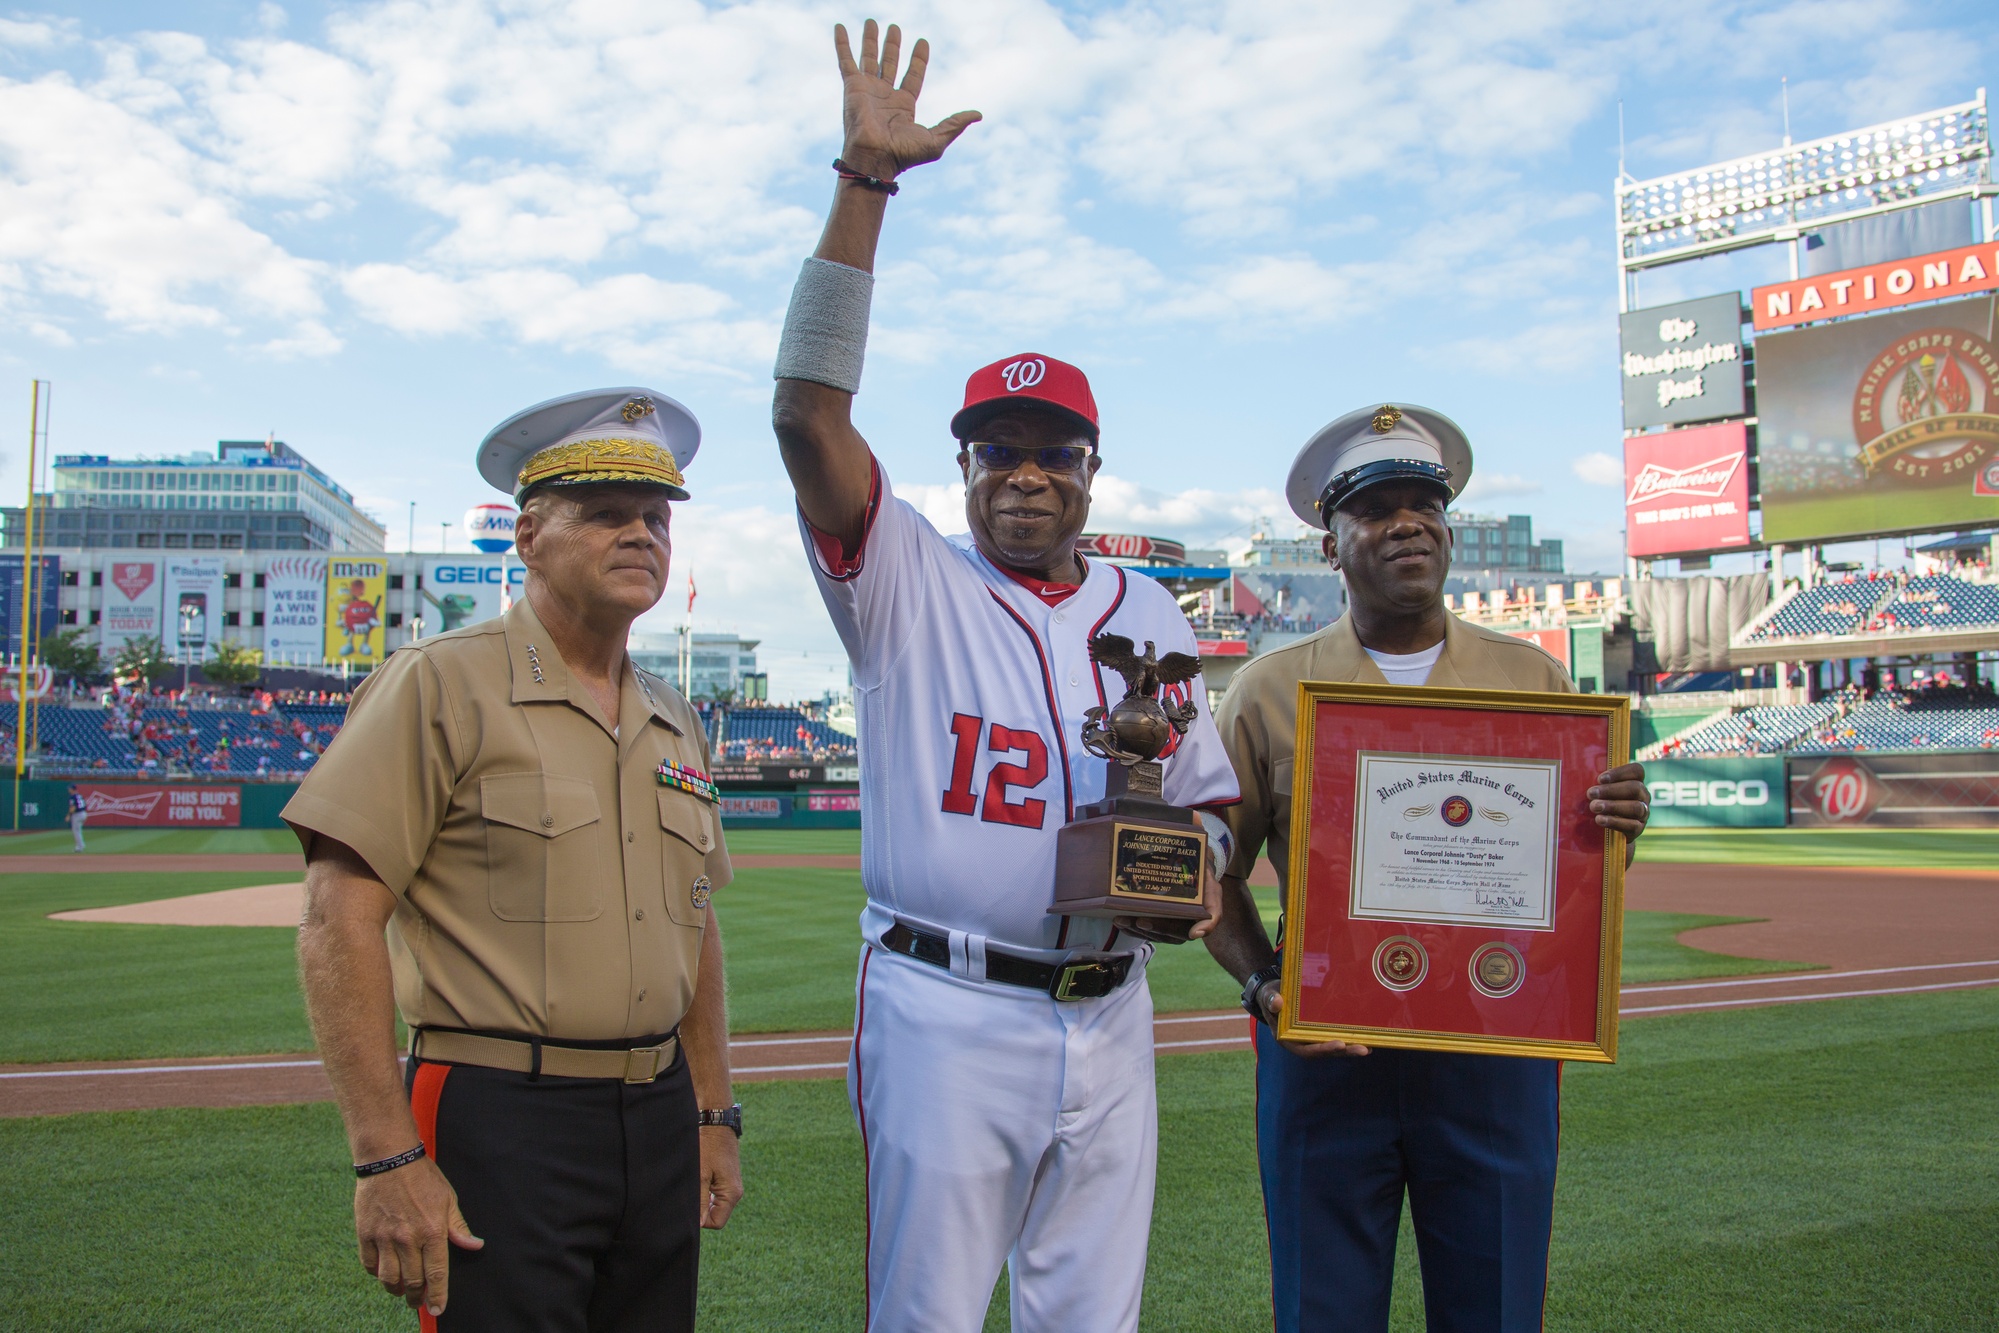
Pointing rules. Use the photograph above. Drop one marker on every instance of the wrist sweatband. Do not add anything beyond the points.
(365, 1169)
(826, 328)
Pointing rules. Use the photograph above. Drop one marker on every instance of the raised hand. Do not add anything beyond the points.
(883, 136)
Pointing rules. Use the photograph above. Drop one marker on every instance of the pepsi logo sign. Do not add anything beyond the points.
(1025, 374)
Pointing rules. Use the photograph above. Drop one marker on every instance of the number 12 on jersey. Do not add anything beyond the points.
(960, 799)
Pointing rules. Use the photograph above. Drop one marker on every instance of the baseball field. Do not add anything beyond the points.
(1802, 1131)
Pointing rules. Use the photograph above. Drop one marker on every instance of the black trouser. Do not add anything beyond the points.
(585, 1190)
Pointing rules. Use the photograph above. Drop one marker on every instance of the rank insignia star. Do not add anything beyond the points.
(687, 778)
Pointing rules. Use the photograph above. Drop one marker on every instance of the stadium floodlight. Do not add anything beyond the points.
(1774, 196)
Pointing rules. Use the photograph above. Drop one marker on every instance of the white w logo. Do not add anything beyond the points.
(1023, 374)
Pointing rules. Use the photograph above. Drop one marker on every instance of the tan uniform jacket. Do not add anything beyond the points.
(546, 881)
(1259, 715)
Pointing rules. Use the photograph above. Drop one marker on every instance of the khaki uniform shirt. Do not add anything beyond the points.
(1259, 716)
(545, 879)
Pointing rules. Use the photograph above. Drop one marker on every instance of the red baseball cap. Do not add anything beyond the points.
(1029, 377)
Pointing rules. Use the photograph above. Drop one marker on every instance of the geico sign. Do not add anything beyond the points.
(1718, 791)
(475, 574)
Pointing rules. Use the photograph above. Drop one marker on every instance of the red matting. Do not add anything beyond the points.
(1558, 996)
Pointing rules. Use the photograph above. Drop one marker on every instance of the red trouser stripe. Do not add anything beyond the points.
(425, 1091)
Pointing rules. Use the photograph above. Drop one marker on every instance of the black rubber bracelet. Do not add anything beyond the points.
(862, 178)
(365, 1169)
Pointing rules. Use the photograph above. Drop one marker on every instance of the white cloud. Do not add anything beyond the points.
(1496, 486)
(1599, 469)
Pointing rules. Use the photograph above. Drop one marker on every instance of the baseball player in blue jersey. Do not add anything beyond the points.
(1002, 1065)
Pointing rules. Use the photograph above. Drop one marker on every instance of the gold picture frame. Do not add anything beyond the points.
(1616, 712)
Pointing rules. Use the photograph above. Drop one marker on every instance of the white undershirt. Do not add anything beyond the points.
(1407, 668)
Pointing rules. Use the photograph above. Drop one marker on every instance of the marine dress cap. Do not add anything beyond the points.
(1391, 442)
(628, 434)
(1034, 378)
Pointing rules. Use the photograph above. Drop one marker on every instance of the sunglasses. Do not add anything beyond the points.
(1054, 458)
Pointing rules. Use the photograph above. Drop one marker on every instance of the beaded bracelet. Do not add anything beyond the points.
(365, 1169)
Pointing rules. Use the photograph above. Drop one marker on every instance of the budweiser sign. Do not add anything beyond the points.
(1709, 479)
(1686, 491)
(129, 804)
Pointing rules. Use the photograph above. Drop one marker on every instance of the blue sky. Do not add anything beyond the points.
(379, 228)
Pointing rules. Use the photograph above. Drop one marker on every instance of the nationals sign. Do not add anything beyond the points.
(1687, 490)
(125, 805)
(1858, 291)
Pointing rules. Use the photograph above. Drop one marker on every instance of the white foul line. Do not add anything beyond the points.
(1793, 999)
(162, 1069)
(1776, 977)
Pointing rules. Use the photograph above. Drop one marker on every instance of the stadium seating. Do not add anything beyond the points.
(1938, 601)
(1833, 608)
(1766, 730)
(777, 729)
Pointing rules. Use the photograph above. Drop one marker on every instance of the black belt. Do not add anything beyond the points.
(1086, 977)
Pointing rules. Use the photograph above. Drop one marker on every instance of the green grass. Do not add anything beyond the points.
(1966, 849)
(153, 842)
(76, 990)
(1823, 1166)
(1653, 952)
(73, 990)
(793, 842)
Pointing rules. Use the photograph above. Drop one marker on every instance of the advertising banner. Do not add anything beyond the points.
(1896, 791)
(355, 590)
(1682, 362)
(130, 804)
(191, 607)
(132, 603)
(462, 592)
(1553, 642)
(1880, 425)
(1686, 490)
(14, 595)
(295, 611)
(755, 807)
(1717, 793)
(1883, 286)
(842, 798)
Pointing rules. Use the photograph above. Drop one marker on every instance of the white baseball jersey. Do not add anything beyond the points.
(970, 691)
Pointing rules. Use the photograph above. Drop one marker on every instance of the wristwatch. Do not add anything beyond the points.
(1254, 987)
(731, 1118)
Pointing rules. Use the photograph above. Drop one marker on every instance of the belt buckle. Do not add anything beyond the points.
(654, 1066)
(1070, 974)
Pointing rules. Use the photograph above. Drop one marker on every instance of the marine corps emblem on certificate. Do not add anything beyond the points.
(1451, 890)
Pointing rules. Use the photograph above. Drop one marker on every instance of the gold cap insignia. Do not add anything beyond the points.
(636, 408)
(613, 458)
(1387, 419)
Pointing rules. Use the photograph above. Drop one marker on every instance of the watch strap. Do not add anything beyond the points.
(730, 1117)
(1254, 986)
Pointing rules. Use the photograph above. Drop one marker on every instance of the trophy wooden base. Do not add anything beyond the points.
(1128, 861)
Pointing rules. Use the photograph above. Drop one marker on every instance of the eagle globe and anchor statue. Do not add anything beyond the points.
(1132, 854)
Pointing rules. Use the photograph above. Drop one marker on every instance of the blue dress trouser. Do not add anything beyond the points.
(1472, 1138)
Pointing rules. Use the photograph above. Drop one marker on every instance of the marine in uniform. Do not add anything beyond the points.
(516, 834)
(1342, 1132)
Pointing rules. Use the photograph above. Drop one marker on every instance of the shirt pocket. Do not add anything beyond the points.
(689, 826)
(541, 847)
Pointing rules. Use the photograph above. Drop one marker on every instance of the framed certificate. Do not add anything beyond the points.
(1449, 888)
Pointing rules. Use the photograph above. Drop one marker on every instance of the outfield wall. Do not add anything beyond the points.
(1745, 792)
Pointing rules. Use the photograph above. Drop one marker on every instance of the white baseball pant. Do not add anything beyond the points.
(1002, 1126)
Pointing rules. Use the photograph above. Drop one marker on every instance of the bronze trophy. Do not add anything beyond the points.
(1132, 855)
